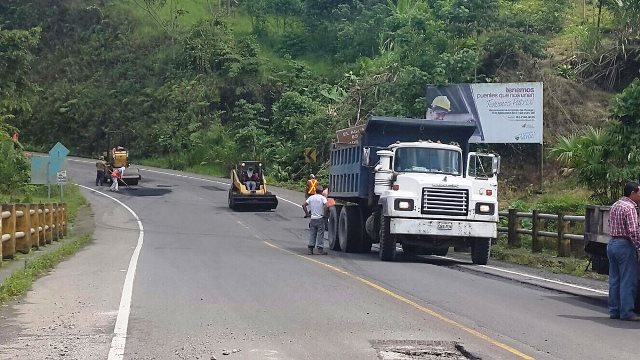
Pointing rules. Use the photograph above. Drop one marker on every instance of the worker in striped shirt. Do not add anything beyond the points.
(622, 251)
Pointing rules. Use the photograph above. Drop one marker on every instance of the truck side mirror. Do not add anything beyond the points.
(365, 156)
(496, 165)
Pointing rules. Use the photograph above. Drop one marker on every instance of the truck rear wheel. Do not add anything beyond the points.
(334, 243)
(365, 241)
(387, 240)
(480, 250)
(350, 229)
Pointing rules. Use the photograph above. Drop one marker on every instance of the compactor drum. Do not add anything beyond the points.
(241, 196)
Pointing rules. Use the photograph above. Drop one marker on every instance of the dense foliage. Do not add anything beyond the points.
(605, 159)
(16, 55)
(204, 82)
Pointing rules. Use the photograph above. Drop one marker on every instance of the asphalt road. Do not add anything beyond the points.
(208, 279)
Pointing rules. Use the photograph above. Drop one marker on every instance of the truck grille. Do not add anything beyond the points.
(445, 201)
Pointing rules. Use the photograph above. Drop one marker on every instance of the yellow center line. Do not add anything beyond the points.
(412, 303)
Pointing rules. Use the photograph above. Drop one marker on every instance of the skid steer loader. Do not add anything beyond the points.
(241, 198)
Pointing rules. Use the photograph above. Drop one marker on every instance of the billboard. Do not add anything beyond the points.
(503, 112)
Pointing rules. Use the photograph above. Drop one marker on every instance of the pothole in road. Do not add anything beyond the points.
(420, 349)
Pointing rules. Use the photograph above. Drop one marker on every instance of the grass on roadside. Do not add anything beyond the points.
(20, 281)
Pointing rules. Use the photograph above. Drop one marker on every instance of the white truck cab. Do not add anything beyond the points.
(433, 197)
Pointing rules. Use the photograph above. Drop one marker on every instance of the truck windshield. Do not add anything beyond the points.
(427, 160)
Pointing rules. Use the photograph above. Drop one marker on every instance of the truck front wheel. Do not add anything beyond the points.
(480, 250)
(387, 240)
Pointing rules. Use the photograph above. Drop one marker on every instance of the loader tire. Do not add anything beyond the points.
(232, 202)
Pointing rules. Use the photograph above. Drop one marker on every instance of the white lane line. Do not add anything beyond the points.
(119, 340)
(444, 257)
(548, 280)
(530, 276)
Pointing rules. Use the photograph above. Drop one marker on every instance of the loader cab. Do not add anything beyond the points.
(243, 169)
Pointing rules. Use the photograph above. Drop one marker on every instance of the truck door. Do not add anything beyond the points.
(484, 168)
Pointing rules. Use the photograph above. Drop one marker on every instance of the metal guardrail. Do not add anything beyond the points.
(568, 243)
(27, 226)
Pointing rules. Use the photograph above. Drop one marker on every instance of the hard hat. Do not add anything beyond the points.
(442, 102)
(312, 176)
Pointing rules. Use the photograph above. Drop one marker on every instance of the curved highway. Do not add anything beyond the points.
(194, 280)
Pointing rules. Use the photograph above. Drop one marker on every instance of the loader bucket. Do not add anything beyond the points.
(254, 202)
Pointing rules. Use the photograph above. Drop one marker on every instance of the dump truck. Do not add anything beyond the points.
(243, 198)
(413, 182)
(117, 158)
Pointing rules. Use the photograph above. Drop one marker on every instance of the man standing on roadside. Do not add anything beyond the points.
(622, 251)
(101, 167)
(311, 186)
(314, 207)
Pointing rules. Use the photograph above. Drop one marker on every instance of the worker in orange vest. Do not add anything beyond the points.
(312, 183)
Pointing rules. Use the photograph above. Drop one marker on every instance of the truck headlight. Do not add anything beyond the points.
(403, 204)
(485, 208)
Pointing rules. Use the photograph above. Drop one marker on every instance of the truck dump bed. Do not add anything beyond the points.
(351, 177)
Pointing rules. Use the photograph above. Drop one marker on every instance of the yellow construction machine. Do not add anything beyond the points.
(118, 158)
(243, 195)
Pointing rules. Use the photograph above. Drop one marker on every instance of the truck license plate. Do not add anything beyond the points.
(445, 225)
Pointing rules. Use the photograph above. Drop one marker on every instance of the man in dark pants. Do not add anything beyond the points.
(101, 167)
(622, 251)
(314, 207)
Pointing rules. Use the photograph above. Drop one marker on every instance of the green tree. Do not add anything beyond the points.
(604, 161)
(16, 88)
(250, 130)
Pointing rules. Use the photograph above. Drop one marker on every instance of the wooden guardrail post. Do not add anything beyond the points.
(536, 226)
(564, 245)
(8, 237)
(56, 226)
(1, 232)
(513, 238)
(34, 221)
(64, 219)
(577, 245)
(48, 222)
(42, 224)
(23, 228)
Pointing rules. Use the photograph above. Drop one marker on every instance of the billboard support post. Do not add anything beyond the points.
(541, 167)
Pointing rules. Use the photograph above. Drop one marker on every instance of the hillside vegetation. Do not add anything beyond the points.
(203, 83)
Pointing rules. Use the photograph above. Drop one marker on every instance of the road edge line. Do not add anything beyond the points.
(119, 340)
